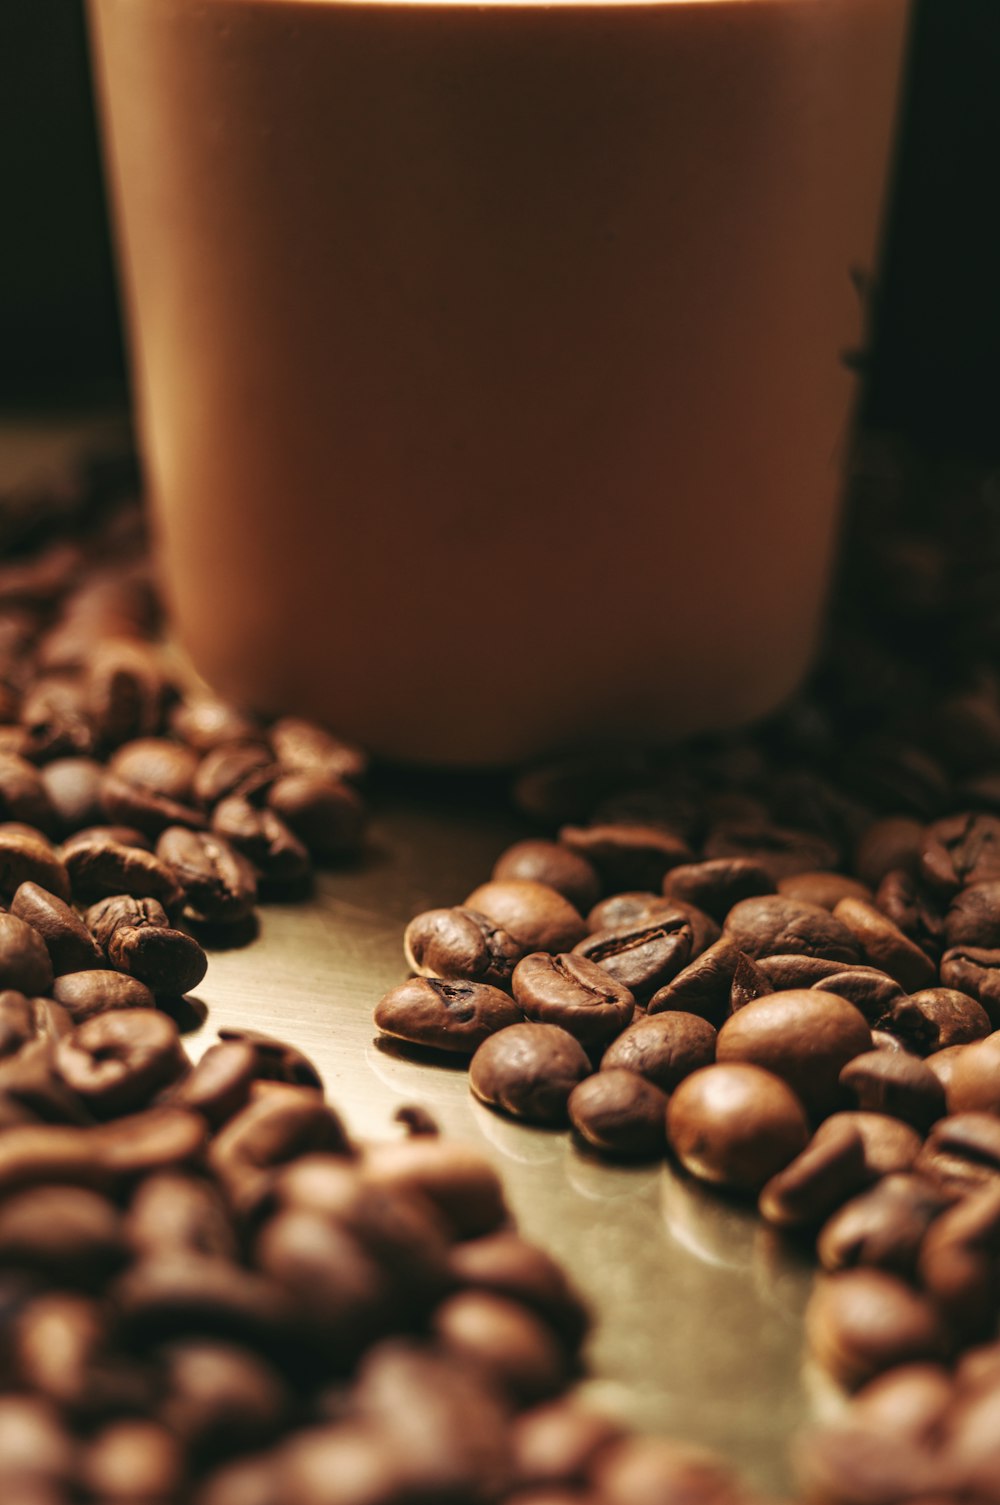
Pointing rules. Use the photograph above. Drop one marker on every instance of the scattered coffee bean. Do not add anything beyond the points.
(303, 747)
(27, 857)
(461, 943)
(24, 961)
(884, 946)
(717, 885)
(896, 1083)
(327, 815)
(860, 1323)
(824, 889)
(139, 940)
(204, 722)
(775, 926)
(529, 1070)
(243, 770)
(132, 805)
(804, 1037)
(703, 987)
(454, 1016)
(976, 972)
(577, 994)
(99, 866)
(555, 865)
(935, 1018)
(621, 1113)
(73, 787)
(962, 1152)
(663, 1048)
(871, 991)
(117, 1059)
(69, 943)
(536, 916)
(828, 1171)
(974, 1082)
(882, 1227)
(218, 883)
(263, 838)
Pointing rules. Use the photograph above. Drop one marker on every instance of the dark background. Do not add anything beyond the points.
(934, 370)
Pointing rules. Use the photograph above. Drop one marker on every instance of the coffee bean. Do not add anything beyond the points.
(460, 943)
(643, 957)
(716, 886)
(633, 907)
(914, 908)
(735, 1125)
(883, 1227)
(452, 1016)
(780, 851)
(555, 865)
(974, 1086)
(890, 1146)
(748, 984)
(537, 917)
(127, 836)
(219, 1084)
(100, 867)
(263, 838)
(275, 1060)
(505, 1264)
(24, 961)
(529, 1070)
(169, 1294)
(55, 716)
(23, 796)
(69, 943)
(862, 1322)
(144, 809)
(574, 993)
(158, 765)
(139, 940)
(828, 1171)
(959, 1262)
(703, 987)
(961, 850)
(220, 1397)
(514, 1349)
(620, 1113)
(871, 991)
(896, 1083)
(559, 1443)
(204, 722)
(935, 1018)
(884, 946)
(27, 857)
(72, 786)
(358, 1457)
(174, 1213)
(327, 815)
(218, 883)
(127, 690)
(784, 972)
(95, 991)
(455, 1178)
(63, 1353)
(245, 770)
(774, 926)
(68, 1234)
(273, 1128)
(303, 747)
(975, 972)
(627, 855)
(664, 1048)
(962, 1152)
(804, 1037)
(23, 1020)
(942, 1062)
(116, 1060)
(891, 844)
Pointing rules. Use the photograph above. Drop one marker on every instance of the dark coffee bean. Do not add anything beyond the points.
(23, 1020)
(514, 1349)
(717, 885)
(962, 1152)
(860, 1323)
(633, 907)
(117, 1060)
(23, 795)
(69, 943)
(55, 716)
(144, 809)
(276, 1060)
(70, 1235)
(891, 844)
(828, 1171)
(220, 1398)
(804, 1037)
(574, 993)
(890, 1145)
(83, 994)
(127, 690)
(704, 930)
(157, 765)
(620, 1113)
(735, 1125)
(169, 1294)
(537, 917)
(935, 1018)
(961, 850)
(275, 851)
(218, 883)
(204, 722)
(100, 867)
(664, 1048)
(555, 865)
(73, 786)
(896, 1083)
(337, 1290)
(529, 1070)
(645, 1470)
(703, 987)
(824, 889)
(24, 961)
(628, 855)
(36, 1153)
(328, 816)
(506, 1264)
(219, 1084)
(871, 991)
(569, 789)
(851, 1460)
(463, 944)
(242, 769)
(975, 972)
(883, 945)
(974, 1085)
(176, 1213)
(139, 940)
(455, 1178)
(559, 1444)
(773, 926)
(779, 850)
(303, 747)
(28, 858)
(973, 917)
(643, 957)
(882, 1227)
(912, 907)
(454, 1016)
(959, 1263)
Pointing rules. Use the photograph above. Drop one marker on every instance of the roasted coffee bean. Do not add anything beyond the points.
(139, 940)
(961, 850)
(962, 1152)
(935, 1018)
(35, 1450)
(55, 716)
(303, 747)
(514, 1349)
(555, 865)
(749, 983)
(529, 1070)
(703, 987)
(83, 994)
(891, 844)
(974, 1085)
(628, 855)
(117, 1060)
(21, 1022)
(942, 1062)
(829, 1170)
(158, 765)
(537, 917)
(220, 1398)
(774, 926)
(276, 1060)
(455, 1178)
(73, 786)
(242, 769)
(890, 1145)
(779, 850)
(620, 1113)
(273, 1128)
(645, 1470)
(460, 943)
(23, 795)
(971, 970)
(68, 1234)
(62, 1352)
(558, 1444)
(973, 917)
(176, 1213)
(664, 1048)
(218, 883)
(643, 957)
(506, 1264)
(100, 867)
(959, 1263)
(871, 991)
(735, 1125)
(327, 815)
(24, 961)
(452, 1016)
(127, 836)
(803, 1036)
(882, 1227)
(861, 1322)
(333, 1465)
(69, 943)
(204, 722)
(715, 886)
(783, 972)
(169, 1294)
(896, 1083)
(884, 946)
(27, 857)
(219, 1084)
(633, 907)
(263, 838)
(127, 690)
(130, 805)
(824, 889)
(132, 1459)
(577, 994)
(914, 909)
(852, 1460)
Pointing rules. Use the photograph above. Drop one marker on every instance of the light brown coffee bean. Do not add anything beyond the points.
(456, 1178)
(26, 856)
(116, 1060)
(890, 1145)
(452, 1016)
(715, 886)
(974, 1085)
(871, 991)
(515, 1350)
(703, 987)
(24, 961)
(860, 1323)
(553, 864)
(896, 1083)
(642, 957)
(626, 854)
(460, 943)
(73, 786)
(735, 1125)
(508, 1265)
(326, 814)
(824, 888)
(538, 918)
(775, 926)
(883, 1226)
(83, 994)
(303, 747)
(962, 1152)
(664, 1048)
(828, 1171)
(803, 1036)
(69, 943)
(883, 945)
(935, 1018)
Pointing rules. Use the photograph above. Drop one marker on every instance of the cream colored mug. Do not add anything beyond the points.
(488, 353)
